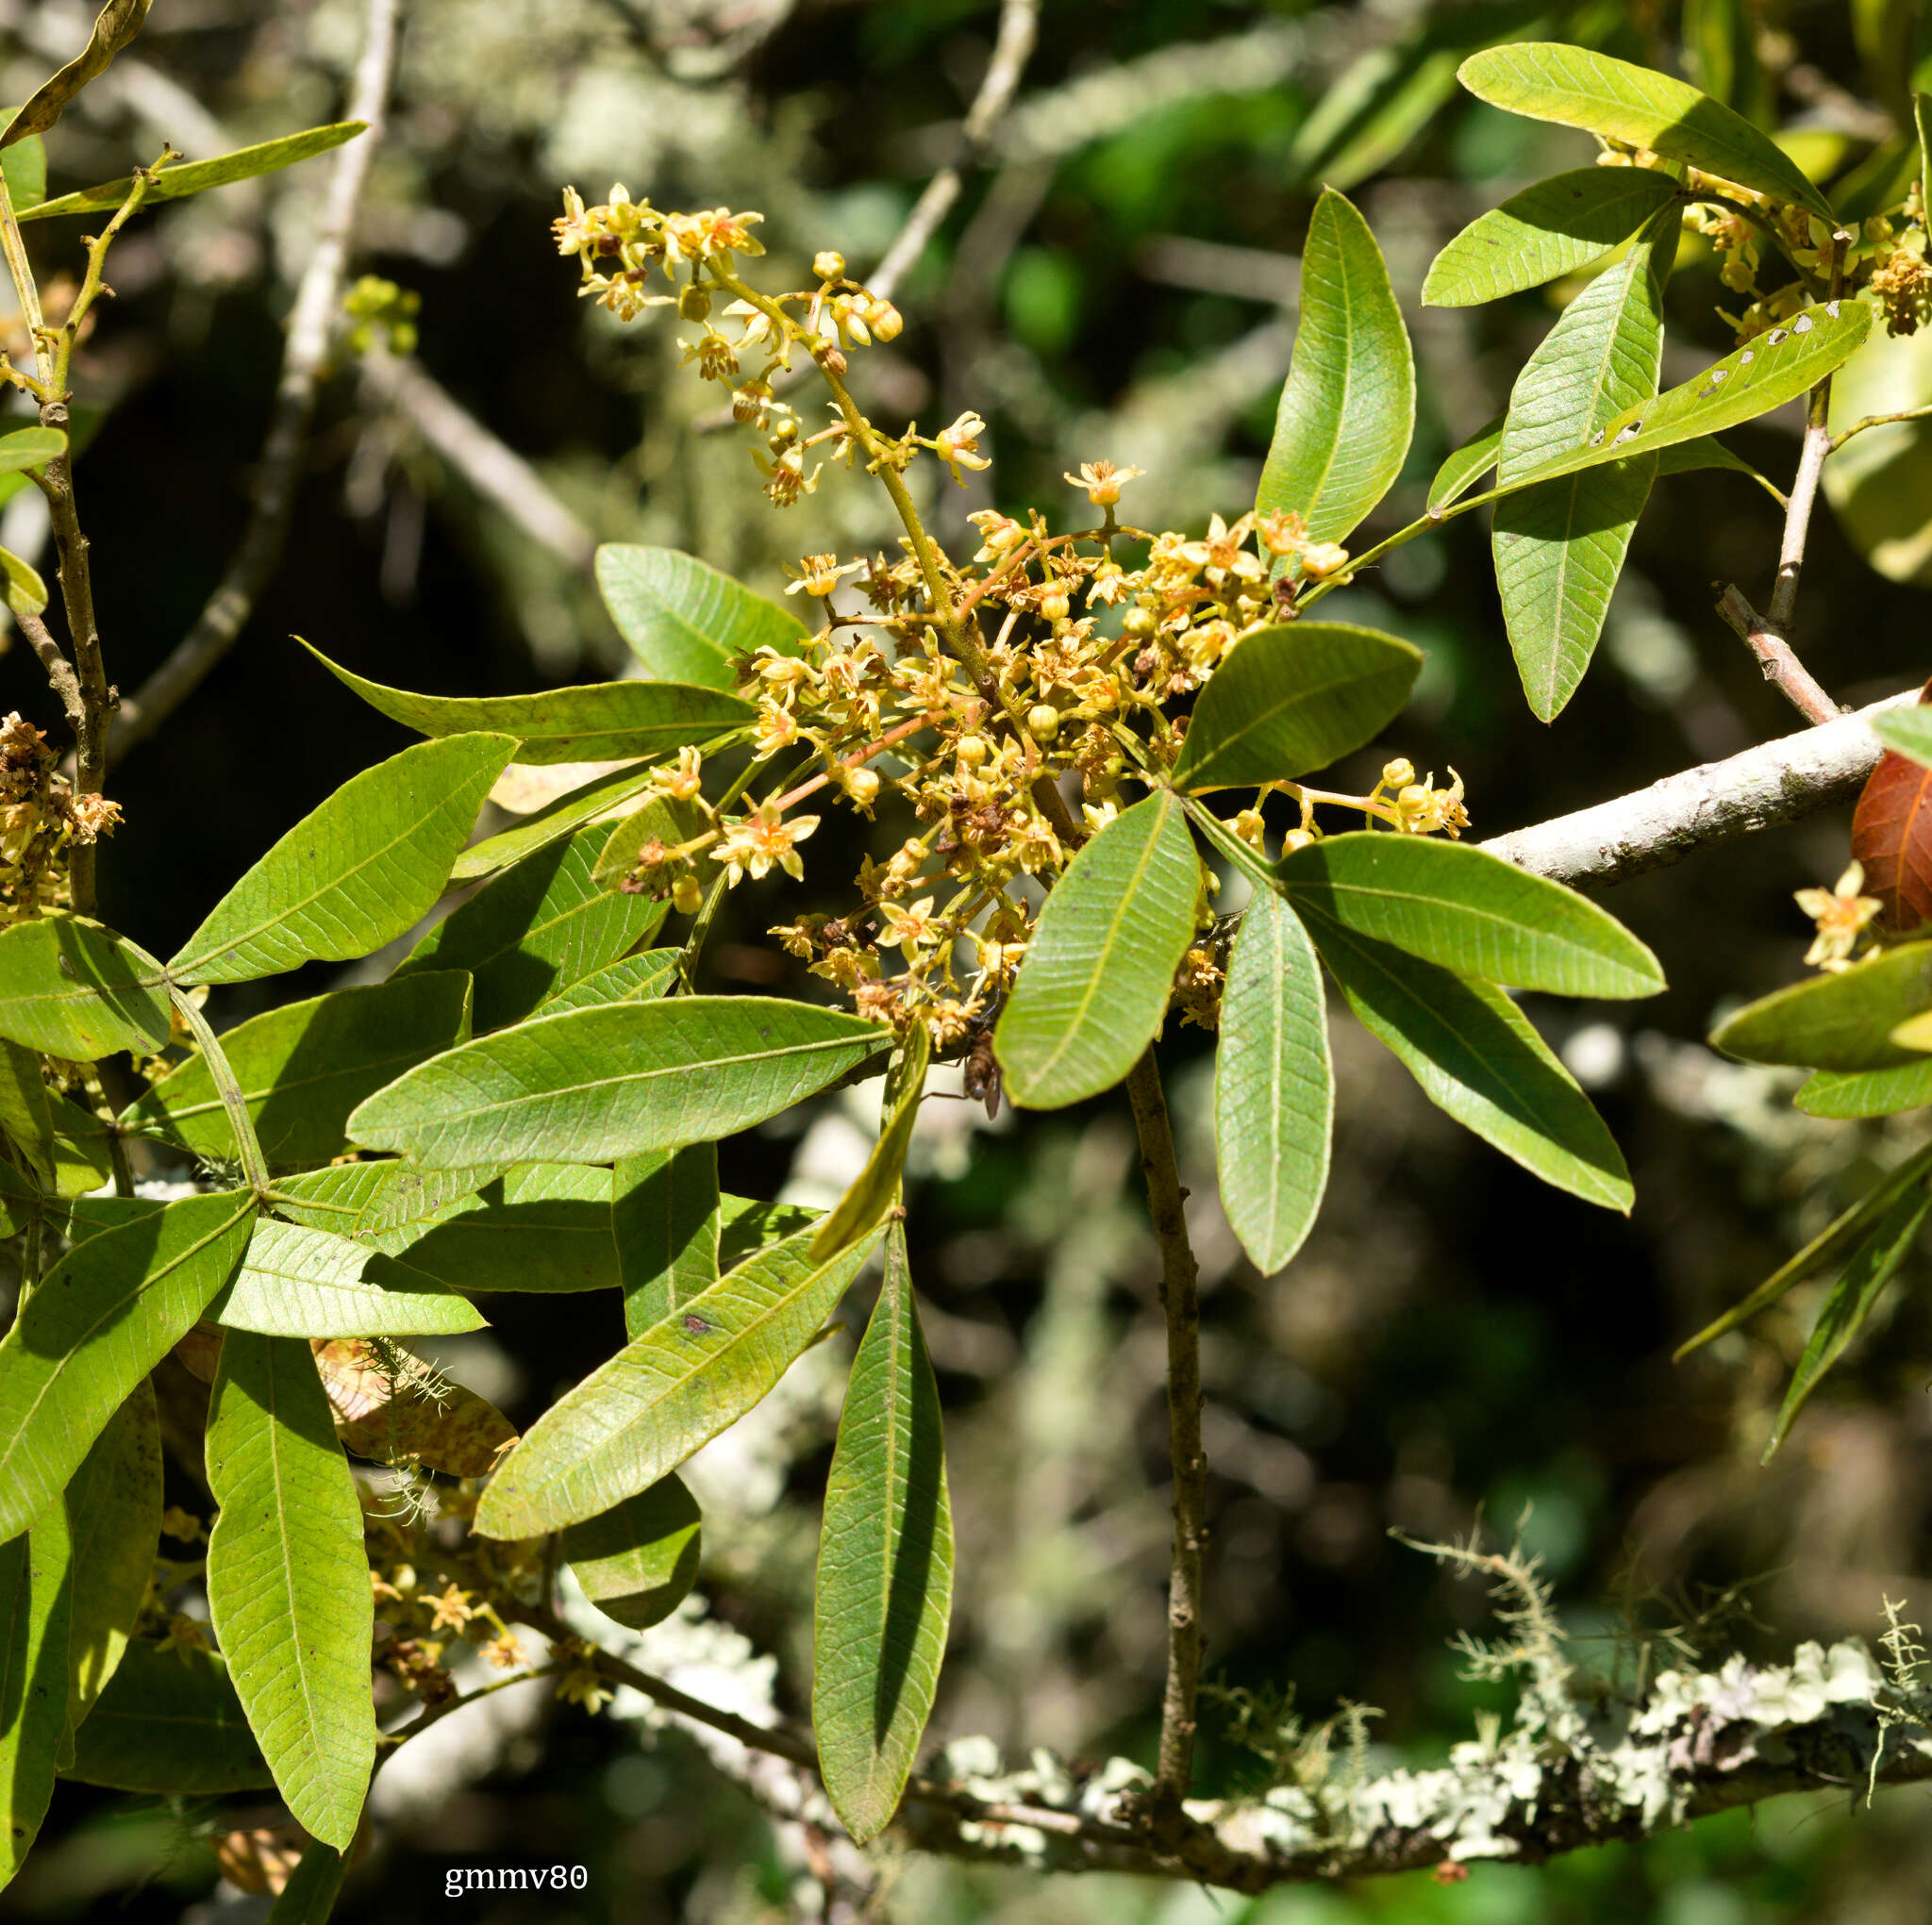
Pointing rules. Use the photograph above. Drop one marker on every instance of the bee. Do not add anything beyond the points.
(982, 1074)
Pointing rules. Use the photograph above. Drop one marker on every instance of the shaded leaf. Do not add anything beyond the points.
(196, 176)
(1099, 968)
(100, 1320)
(1879, 483)
(614, 1080)
(593, 723)
(1841, 1021)
(115, 26)
(1477, 1059)
(26, 593)
(65, 1146)
(1470, 912)
(665, 1215)
(683, 619)
(538, 830)
(1547, 80)
(542, 1227)
(1287, 701)
(310, 1896)
(36, 1580)
(1865, 1092)
(885, 1577)
(631, 979)
(1348, 405)
(71, 989)
(20, 1200)
(746, 1226)
(296, 1281)
(668, 1391)
(1873, 1266)
(1548, 230)
(668, 822)
(1273, 1085)
(354, 874)
(408, 1419)
(305, 1066)
(24, 166)
(876, 1188)
(170, 1724)
(27, 448)
(1706, 452)
(638, 1560)
(288, 1584)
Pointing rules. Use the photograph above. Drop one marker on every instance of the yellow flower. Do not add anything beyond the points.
(959, 445)
(450, 1610)
(586, 1689)
(1103, 481)
(1842, 915)
(754, 843)
(1422, 808)
(910, 927)
(818, 575)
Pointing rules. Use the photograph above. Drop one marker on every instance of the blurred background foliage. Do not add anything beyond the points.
(1118, 280)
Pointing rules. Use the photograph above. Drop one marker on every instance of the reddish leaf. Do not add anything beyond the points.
(1891, 836)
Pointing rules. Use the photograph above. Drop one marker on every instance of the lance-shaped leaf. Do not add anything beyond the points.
(1094, 988)
(114, 1515)
(1465, 466)
(542, 1227)
(101, 1319)
(1348, 405)
(1892, 826)
(20, 1200)
(1470, 912)
(588, 802)
(26, 593)
(746, 1226)
(1553, 229)
(196, 176)
(1866, 1092)
(287, 1583)
(24, 166)
(65, 1146)
(611, 1081)
(371, 1200)
(1851, 1301)
(638, 1560)
(684, 621)
(36, 1582)
(885, 1577)
(169, 1724)
(355, 872)
(598, 721)
(1477, 1059)
(544, 925)
(1561, 546)
(298, 1281)
(305, 1066)
(71, 989)
(668, 1391)
(28, 448)
(665, 1216)
(1290, 700)
(876, 1188)
(1842, 1021)
(116, 24)
(1273, 1085)
(1548, 80)
(629, 979)
(661, 819)
(408, 1417)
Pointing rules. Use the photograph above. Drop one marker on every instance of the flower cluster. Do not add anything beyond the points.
(41, 819)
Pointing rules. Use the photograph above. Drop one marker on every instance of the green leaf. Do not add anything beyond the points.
(876, 1188)
(64, 1145)
(1467, 465)
(1851, 1301)
(1841, 1021)
(885, 1577)
(1546, 80)
(355, 872)
(170, 1724)
(638, 1560)
(36, 1582)
(1561, 546)
(27, 448)
(1879, 484)
(1094, 988)
(1477, 1059)
(1273, 1085)
(595, 723)
(1290, 700)
(25, 165)
(20, 1200)
(541, 926)
(1831, 1244)
(666, 1215)
(368, 1199)
(26, 593)
(305, 1066)
(1706, 452)
(544, 826)
(543, 1227)
(611, 1081)
(115, 26)
(287, 1583)
(685, 621)
(631, 979)
(101, 1319)
(71, 989)
(1548, 230)
(310, 1896)
(196, 176)
(666, 1392)
(1908, 730)
(298, 1281)
(1471, 912)
(746, 1226)
(1865, 1092)
(1348, 407)
(114, 1515)
(671, 823)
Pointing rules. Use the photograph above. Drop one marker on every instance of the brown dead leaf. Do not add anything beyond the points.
(458, 1433)
(118, 23)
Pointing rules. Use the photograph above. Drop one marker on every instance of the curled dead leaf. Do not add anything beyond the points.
(118, 23)
(393, 1421)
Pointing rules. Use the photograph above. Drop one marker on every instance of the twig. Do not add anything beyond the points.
(219, 624)
(61, 675)
(1180, 1300)
(1876, 421)
(492, 467)
(1775, 657)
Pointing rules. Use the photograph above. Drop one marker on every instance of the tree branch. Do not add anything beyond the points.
(1775, 657)
(221, 621)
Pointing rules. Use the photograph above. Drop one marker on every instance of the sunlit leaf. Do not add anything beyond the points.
(310, 1896)
(196, 176)
(875, 1188)
(1467, 465)
(1866, 1092)
(544, 826)
(27, 448)
(684, 621)
(298, 1281)
(638, 1560)
(631, 979)
(71, 989)
(542, 1227)
(412, 1418)
(372, 1200)
(115, 26)
(25, 165)
(26, 592)
(1842, 1021)
(36, 1582)
(1892, 826)
(169, 1724)
(65, 1146)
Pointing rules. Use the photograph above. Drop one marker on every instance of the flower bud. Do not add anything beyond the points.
(828, 266)
(862, 786)
(1247, 825)
(1054, 604)
(686, 897)
(693, 302)
(1296, 838)
(1139, 623)
(1398, 773)
(1042, 721)
(972, 752)
(1321, 560)
(884, 320)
